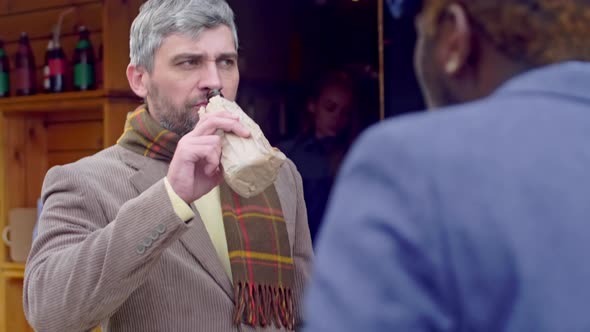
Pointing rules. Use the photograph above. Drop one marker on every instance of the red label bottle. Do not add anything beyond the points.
(57, 68)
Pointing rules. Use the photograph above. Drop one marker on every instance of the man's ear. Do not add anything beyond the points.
(456, 45)
(138, 80)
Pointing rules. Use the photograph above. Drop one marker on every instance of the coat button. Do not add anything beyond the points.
(161, 229)
(140, 249)
(147, 242)
(155, 235)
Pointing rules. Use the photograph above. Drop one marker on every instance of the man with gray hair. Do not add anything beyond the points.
(146, 235)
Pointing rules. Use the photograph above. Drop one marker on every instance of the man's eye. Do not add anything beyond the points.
(187, 63)
(227, 63)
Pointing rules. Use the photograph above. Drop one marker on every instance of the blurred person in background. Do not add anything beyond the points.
(328, 130)
(473, 217)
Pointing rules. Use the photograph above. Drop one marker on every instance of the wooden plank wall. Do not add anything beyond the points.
(71, 136)
(16, 320)
(19, 6)
(37, 18)
(40, 141)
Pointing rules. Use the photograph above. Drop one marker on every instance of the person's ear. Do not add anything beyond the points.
(455, 43)
(138, 80)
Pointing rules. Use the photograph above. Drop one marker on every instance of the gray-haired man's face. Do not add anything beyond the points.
(185, 70)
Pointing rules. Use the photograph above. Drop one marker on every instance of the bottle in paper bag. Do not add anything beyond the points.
(250, 164)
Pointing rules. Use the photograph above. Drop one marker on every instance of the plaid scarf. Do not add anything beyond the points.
(256, 233)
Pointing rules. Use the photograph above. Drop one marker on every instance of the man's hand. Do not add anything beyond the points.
(195, 167)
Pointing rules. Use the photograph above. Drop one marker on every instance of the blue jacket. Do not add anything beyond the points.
(472, 218)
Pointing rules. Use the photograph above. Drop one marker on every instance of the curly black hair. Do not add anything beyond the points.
(536, 32)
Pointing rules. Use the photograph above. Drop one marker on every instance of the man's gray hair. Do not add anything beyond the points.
(158, 19)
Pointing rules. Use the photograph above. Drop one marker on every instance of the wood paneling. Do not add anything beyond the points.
(115, 114)
(59, 117)
(3, 203)
(11, 7)
(14, 313)
(35, 158)
(58, 102)
(74, 136)
(39, 25)
(65, 157)
(116, 24)
(44, 130)
(14, 148)
(14, 161)
(3, 303)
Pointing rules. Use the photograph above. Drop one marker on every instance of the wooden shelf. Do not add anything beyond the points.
(47, 129)
(13, 270)
(13, 274)
(12, 266)
(48, 97)
(74, 100)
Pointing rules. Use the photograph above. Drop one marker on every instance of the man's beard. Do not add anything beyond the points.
(180, 120)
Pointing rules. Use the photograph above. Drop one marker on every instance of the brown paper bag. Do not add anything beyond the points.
(250, 164)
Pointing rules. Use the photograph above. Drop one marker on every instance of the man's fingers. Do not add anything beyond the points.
(200, 140)
(211, 169)
(209, 125)
(241, 130)
(205, 150)
(222, 114)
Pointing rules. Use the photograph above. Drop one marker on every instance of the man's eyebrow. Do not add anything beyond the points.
(227, 55)
(186, 56)
(201, 56)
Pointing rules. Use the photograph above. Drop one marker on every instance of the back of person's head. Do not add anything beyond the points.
(536, 32)
(467, 48)
(158, 19)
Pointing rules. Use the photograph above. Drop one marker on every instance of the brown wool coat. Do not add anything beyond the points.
(86, 267)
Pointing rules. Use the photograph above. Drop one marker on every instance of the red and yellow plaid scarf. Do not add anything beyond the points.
(255, 229)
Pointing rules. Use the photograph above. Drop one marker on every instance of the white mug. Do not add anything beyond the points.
(18, 234)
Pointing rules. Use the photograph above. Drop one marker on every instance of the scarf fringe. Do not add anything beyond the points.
(263, 304)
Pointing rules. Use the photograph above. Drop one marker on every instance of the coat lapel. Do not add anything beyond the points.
(196, 240)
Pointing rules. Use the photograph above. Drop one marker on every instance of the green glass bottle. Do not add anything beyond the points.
(84, 65)
(4, 72)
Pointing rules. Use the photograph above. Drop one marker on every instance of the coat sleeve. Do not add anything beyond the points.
(379, 264)
(82, 267)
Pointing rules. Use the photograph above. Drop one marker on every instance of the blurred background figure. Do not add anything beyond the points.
(329, 126)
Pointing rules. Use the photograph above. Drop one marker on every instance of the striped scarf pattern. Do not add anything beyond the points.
(255, 230)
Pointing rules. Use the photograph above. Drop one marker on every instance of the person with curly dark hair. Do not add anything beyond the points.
(473, 217)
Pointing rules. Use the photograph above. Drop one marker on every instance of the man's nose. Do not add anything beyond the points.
(210, 79)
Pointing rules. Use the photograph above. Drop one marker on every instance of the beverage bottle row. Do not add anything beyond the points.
(56, 76)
